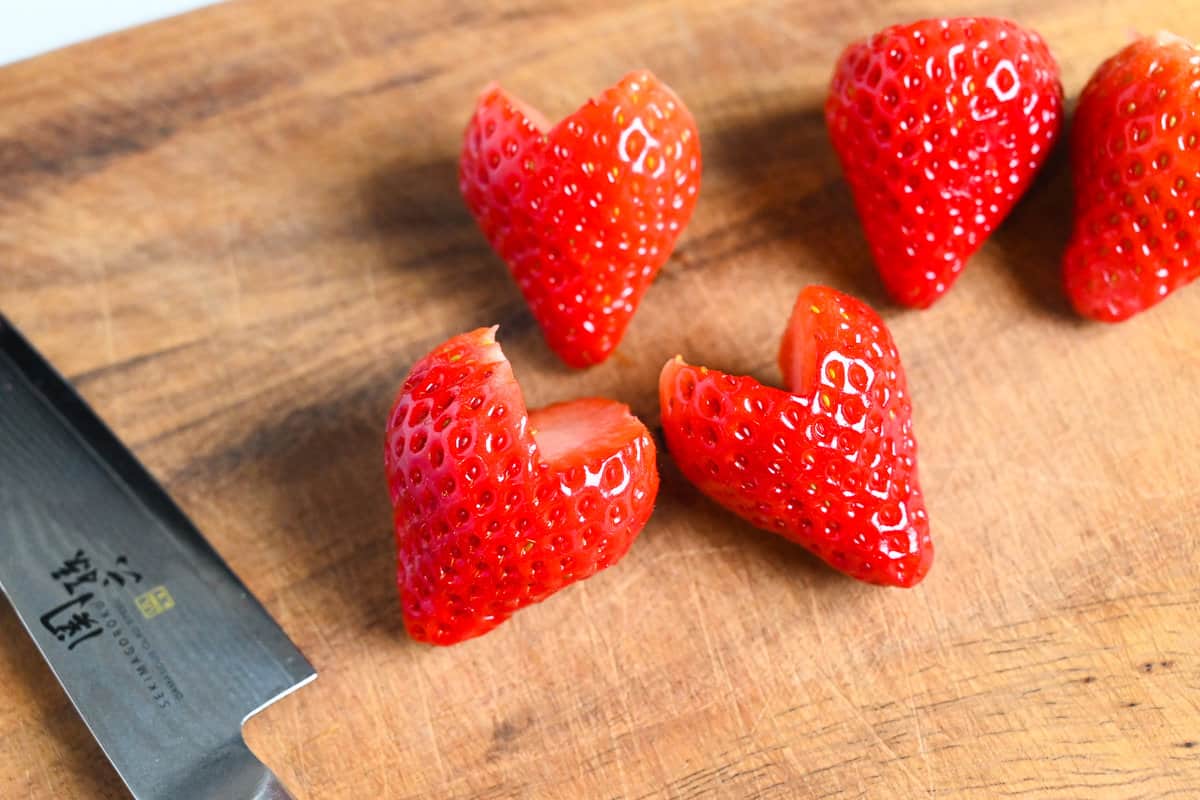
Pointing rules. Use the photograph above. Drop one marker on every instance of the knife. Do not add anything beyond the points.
(163, 651)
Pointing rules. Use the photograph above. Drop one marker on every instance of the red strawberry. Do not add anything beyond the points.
(830, 464)
(1135, 149)
(585, 212)
(496, 509)
(940, 127)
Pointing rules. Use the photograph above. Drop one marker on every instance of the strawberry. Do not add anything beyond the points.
(830, 464)
(1135, 149)
(496, 509)
(587, 211)
(940, 127)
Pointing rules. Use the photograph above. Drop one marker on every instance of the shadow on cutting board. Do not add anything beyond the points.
(765, 552)
(788, 173)
(419, 202)
(1035, 234)
(78, 754)
(320, 468)
(419, 207)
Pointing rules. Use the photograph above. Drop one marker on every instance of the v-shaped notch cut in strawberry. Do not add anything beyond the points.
(587, 211)
(831, 463)
(496, 508)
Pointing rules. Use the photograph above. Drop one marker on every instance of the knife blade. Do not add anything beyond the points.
(162, 650)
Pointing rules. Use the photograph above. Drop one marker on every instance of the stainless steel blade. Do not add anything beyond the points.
(160, 647)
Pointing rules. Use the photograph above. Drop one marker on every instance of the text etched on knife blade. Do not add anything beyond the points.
(73, 622)
(90, 612)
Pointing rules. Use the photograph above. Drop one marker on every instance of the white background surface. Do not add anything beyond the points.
(29, 27)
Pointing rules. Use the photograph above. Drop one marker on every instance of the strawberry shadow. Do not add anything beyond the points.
(316, 475)
(78, 754)
(1035, 235)
(782, 168)
(419, 203)
(682, 503)
(416, 210)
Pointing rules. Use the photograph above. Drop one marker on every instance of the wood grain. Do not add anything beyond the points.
(236, 230)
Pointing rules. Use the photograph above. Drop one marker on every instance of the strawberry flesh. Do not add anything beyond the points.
(581, 431)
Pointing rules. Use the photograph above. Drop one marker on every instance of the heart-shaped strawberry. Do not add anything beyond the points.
(496, 508)
(586, 212)
(831, 463)
(940, 126)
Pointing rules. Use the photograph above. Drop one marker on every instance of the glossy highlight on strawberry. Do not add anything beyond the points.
(830, 464)
(940, 126)
(587, 211)
(1135, 149)
(495, 508)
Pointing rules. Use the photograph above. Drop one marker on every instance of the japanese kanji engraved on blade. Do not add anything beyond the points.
(160, 647)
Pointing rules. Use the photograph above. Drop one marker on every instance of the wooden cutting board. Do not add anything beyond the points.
(236, 230)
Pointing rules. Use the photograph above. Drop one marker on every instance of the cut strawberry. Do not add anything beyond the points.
(496, 509)
(584, 213)
(830, 464)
